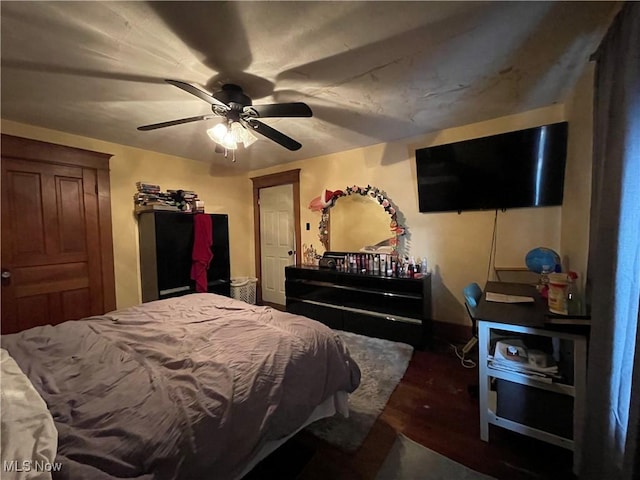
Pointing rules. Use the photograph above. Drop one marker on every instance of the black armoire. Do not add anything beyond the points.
(166, 245)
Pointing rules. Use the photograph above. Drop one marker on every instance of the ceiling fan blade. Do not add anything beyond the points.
(295, 109)
(273, 134)
(198, 93)
(170, 123)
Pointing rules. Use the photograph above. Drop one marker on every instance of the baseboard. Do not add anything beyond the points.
(451, 332)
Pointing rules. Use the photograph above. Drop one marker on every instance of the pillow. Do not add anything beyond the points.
(29, 437)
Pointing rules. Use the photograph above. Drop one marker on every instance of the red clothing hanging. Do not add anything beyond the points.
(202, 255)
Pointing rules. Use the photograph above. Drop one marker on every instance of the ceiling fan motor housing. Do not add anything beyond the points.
(233, 96)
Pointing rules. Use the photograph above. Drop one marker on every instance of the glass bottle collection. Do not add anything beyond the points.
(383, 265)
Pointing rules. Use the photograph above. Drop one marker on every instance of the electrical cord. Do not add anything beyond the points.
(492, 250)
(465, 362)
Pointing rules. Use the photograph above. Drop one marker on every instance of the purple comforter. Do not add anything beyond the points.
(184, 388)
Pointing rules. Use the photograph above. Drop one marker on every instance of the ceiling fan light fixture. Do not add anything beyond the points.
(242, 135)
(218, 132)
(223, 136)
(230, 136)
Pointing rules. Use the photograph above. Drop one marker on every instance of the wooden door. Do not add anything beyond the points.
(277, 239)
(53, 246)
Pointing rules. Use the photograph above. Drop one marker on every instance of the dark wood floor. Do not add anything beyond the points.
(432, 406)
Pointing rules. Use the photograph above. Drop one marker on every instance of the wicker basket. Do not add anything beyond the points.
(244, 288)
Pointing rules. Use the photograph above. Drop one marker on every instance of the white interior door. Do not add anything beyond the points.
(276, 239)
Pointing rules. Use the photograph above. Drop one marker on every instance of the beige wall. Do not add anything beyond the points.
(457, 247)
(221, 194)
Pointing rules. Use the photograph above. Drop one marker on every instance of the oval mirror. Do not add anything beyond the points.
(360, 219)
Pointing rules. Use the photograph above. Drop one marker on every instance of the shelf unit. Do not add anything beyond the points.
(166, 246)
(573, 351)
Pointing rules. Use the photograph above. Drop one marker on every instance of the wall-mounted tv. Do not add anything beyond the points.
(517, 169)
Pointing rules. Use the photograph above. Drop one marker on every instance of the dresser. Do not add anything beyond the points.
(397, 309)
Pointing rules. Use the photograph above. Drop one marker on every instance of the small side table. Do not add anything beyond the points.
(549, 409)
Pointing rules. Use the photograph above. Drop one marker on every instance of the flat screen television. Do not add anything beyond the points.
(517, 169)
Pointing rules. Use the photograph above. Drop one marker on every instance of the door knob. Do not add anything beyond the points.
(5, 273)
(290, 252)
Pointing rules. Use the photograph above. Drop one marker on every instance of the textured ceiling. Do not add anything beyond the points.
(371, 72)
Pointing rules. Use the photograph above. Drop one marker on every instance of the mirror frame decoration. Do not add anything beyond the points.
(373, 192)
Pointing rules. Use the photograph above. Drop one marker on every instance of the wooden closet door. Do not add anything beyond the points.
(51, 258)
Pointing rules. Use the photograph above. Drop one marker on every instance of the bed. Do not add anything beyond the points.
(199, 386)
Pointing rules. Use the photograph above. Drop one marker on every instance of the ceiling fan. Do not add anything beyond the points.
(236, 107)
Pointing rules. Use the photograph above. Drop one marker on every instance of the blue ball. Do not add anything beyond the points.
(540, 257)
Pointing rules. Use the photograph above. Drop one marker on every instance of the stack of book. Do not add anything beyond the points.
(147, 187)
(512, 356)
(149, 197)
